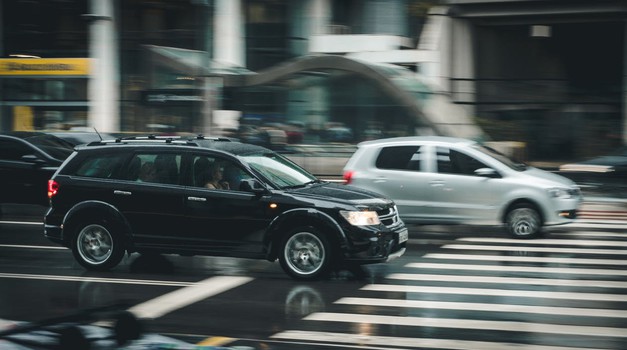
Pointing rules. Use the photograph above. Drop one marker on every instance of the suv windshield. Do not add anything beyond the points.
(279, 171)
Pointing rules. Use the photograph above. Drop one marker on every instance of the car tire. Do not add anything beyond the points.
(97, 247)
(524, 222)
(305, 254)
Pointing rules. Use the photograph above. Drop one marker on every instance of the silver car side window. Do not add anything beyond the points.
(400, 158)
(451, 161)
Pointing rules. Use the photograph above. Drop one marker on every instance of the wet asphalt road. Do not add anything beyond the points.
(457, 287)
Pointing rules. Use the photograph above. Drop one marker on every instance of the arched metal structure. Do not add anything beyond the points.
(399, 83)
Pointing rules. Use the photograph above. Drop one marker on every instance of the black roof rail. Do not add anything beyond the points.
(212, 138)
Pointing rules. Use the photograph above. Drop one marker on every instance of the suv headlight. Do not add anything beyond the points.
(562, 193)
(361, 218)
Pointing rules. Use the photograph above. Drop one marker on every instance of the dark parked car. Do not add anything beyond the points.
(152, 195)
(27, 161)
(609, 171)
(81, 137)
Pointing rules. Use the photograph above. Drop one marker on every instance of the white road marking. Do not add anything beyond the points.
(365, 340)
(587, 243)
(444, 305)
(614, 224)
(177, 299)
(507, 268)
(509, 280)
(511, 326)
(497, 292)
(591, 234)
(535, 259)
(537, 249)
(95, 279)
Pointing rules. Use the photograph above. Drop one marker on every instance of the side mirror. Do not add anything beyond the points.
(251, 185)
(487, 172)
(31, 158)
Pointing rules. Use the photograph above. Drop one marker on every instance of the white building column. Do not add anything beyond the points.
(462, 61)
(104, 81)
(309, 17)
(228, 44)
(625, 86)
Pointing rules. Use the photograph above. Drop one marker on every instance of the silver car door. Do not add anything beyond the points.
(398, 174)
(459, 194)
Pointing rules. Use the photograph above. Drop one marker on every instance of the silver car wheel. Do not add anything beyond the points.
(523, 222)
(94, 244)
(304, 253)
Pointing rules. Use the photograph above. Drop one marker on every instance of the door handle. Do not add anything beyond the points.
(436, 183)
(197, 199)
(123, 193)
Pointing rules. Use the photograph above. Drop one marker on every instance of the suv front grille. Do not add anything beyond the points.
(389, 217)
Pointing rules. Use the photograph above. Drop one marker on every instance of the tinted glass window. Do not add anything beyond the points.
(454, 162)
(101, 166)
(399, 158)
(54, 146)
(155, 168)
(13, 150)
(216, 173)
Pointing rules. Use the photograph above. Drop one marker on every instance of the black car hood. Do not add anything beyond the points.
(344, 193)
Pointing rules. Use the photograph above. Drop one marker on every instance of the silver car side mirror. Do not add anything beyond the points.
(487, 172)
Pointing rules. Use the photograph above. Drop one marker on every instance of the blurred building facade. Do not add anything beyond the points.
(549, 73)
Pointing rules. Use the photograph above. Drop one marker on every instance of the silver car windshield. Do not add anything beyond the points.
(280, 171)
(500, 157)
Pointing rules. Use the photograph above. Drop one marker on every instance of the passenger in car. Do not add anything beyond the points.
(147, 173)
(216, 178)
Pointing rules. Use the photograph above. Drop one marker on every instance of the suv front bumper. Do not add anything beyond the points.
(386, 246)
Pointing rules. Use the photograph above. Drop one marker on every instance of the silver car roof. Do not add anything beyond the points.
(413, 139)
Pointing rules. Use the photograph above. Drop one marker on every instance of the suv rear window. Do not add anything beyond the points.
(101, 166)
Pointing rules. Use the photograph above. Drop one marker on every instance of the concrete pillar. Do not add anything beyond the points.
(462, 69)
(308, 17)
(625, 86)
(104, 80)
(228, 36)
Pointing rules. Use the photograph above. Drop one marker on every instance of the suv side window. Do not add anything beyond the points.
(104, 166)
(451, 161)
(154, 167)
(400, 158)
(216, 173)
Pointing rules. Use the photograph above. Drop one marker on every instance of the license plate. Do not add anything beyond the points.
(403, 236)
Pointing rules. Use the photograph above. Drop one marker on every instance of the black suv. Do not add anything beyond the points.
(218, 197)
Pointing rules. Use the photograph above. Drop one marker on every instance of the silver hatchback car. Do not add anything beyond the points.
(443, 180)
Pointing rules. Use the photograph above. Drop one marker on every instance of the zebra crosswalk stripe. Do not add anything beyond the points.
(446, 305)
(496, 292)
(497, 284)
(509, 280)
(512, 326)
(506, 268)
(535, 259)
(410, 343)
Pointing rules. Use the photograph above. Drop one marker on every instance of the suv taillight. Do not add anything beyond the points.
(53, 188)
(348, 176)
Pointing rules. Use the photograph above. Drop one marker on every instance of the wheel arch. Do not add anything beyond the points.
(100, 212)
(282, 224)
(520, 202)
